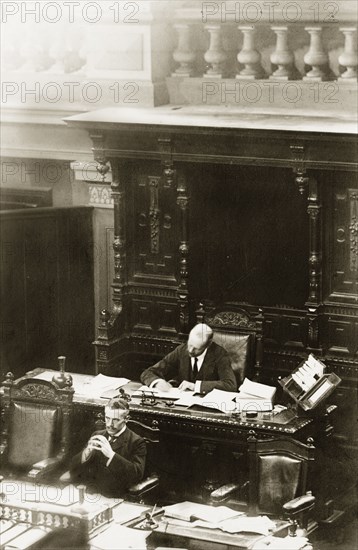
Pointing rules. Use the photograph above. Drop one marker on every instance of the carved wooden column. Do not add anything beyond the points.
(112, 322)
(259, 352)
(119, 247)
(183, 203)
(315, 262)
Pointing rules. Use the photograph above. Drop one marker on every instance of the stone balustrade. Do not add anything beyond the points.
(125, 58)
(279, 52)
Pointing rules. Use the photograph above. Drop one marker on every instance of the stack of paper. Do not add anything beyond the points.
(255, 397)
(102, 386)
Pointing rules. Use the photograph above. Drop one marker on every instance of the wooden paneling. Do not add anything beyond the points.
(47, 289)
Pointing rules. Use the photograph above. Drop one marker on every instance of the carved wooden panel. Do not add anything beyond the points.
(342, 335)
(142, 315)
(152, 227)
(167, 317)
(285, 329)
(342, 261)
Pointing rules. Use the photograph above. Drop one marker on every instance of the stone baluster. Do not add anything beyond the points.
(348, 58)
(316, 57)
(184, 55)
(215, 55)
(282, 56)
(249, 56)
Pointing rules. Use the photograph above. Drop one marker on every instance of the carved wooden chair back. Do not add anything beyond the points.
(36, 422)
(240, 332)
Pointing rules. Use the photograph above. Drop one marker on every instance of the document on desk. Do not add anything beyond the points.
(190, 511)
(260, 525)
(253, 396)
(173, 393)
(91, 386)
(127, 511)
(118, 537)
(104, 386)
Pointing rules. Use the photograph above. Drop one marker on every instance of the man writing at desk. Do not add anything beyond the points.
(114, 458)
(200, 366)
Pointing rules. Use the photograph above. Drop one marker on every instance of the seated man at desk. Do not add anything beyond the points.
(113, 459)
(200, 366)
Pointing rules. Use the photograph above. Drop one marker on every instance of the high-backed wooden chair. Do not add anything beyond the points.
(35, 432)
(280, 472)
(240, 333)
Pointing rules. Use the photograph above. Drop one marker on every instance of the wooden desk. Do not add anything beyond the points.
(199, 449)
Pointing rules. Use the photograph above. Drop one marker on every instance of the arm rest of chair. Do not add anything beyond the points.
(224, 492)
(44, 467)
(144, 486)
(299, 504)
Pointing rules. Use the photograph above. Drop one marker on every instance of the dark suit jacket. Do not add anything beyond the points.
(125, 468)
(215, 372)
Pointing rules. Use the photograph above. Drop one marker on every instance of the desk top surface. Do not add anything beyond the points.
(286, 422)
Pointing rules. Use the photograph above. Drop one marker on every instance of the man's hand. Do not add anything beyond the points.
(101, 444)
(185, 385)
(162, 385)
(86, 453)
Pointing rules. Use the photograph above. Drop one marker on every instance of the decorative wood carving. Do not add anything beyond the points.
(183, 203)
(231, 319)
(165, 146)
(298, 155)
(315, 246)
(154, 214)
(353, 229)
(103, 167)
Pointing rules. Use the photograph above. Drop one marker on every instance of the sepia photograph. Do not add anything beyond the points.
(179, 275)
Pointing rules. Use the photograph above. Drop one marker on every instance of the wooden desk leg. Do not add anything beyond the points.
(211, 479)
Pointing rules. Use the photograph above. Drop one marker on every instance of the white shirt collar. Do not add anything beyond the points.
(200, 359)
(119, 433)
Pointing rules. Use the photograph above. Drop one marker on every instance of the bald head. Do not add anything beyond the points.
(200, 338)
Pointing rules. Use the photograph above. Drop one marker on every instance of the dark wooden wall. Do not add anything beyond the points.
(47, 303)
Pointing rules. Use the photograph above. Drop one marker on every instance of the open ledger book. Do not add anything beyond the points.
(221, 517)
